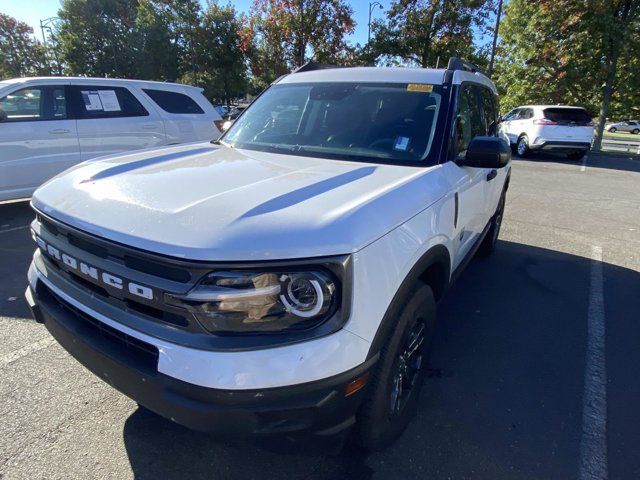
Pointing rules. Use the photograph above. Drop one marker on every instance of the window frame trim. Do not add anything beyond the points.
(46, 89)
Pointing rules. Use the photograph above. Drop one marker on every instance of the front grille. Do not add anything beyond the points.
(122, 255)
(144, 354)
(124, 303)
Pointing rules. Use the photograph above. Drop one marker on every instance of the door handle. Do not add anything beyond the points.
(149, 126)
(59, 131)
(491, 175)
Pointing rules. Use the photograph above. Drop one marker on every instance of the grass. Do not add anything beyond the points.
(621, 136)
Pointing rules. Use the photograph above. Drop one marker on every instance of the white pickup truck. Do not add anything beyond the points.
(283, 279)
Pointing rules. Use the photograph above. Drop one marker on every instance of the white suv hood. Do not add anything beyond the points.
(205, 202)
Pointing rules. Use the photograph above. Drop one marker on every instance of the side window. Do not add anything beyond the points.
(91, 101)
(489, 111)
(173, 102)
(468, 119)
(34, 103)
(512, 115)
(527, 114)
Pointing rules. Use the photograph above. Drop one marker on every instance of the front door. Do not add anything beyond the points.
(38, 140)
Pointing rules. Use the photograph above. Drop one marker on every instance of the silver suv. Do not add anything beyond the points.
(629, 126)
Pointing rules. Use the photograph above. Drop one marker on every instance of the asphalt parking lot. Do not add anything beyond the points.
(506, 388)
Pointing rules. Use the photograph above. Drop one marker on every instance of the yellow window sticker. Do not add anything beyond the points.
(419, 87)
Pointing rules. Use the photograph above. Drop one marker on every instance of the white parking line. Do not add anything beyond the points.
(584, 163)
(593, 444)
(24, 351)
(14, 229)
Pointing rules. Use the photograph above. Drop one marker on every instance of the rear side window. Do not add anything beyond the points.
(469, 122)
(567, 115)
(34, 103)
(489, 110)
(173, 102)
(92, 101)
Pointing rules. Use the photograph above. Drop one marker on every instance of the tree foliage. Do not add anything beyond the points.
(20, 54)
(571, 52)
(282, 34)
(428, 32)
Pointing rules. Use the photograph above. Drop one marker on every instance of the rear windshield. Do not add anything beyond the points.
(567, 115)
(389, 123)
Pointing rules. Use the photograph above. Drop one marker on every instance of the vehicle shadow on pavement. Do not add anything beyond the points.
(16, 250)
(503, 397)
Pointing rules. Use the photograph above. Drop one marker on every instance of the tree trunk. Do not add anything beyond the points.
(606, 101)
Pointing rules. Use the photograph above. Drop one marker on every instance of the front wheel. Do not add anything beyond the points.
(523, 146)
(396, 383)
(636, 131)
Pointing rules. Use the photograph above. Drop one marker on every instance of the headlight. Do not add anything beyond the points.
(254, 301)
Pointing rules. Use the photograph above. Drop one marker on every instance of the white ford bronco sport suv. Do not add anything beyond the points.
(284, 279)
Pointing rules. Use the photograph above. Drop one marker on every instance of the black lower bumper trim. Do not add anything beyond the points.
(318, 408)
(561, 146)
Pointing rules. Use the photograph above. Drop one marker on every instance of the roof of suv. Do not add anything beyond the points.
(385, 75)
(92, 80)
(550, 106)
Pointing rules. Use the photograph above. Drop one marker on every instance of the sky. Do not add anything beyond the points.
(32, 11)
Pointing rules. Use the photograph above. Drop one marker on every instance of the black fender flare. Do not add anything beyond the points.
(436, 255)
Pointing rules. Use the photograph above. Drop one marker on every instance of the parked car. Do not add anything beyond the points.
(554, 128)
(290, 288)
(223, 110)
(628, 126)
(49, 124)
(234, 113)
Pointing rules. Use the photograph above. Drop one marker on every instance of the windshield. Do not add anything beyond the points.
(567, 115)
(390, 123)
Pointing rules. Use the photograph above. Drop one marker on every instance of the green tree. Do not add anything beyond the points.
(427, 32)
(221, 68)
(98, 37)
(20, 54)
(283, 34)
(571, 52)
(157, 50)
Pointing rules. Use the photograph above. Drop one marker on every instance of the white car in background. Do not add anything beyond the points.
(554, 128)
(50, 124)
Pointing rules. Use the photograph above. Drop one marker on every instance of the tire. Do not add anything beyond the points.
(523, 147)
(393, 398)
(613, 130)
(488, 245)
(635, 131)
(576, 155)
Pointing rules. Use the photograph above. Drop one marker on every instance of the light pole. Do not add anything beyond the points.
(495, 37)
(372, 5)
(47, 24)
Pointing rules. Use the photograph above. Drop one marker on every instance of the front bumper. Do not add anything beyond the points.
(560, 146)
(128, 364)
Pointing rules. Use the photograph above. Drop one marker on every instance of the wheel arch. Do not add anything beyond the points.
(434, 269)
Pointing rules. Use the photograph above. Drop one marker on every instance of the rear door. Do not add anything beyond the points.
(111, 119)
(494, 179)
(507, 125)
(38, 138)
(188, 116)
(567, 123)
(470, 188)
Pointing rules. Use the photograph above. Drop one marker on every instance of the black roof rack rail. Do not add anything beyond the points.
(311, 66)
(456, 63)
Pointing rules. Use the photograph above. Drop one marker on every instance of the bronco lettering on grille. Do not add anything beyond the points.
(92, 272)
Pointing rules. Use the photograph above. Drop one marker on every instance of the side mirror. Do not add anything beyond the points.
(3, 115)
(487, 152)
